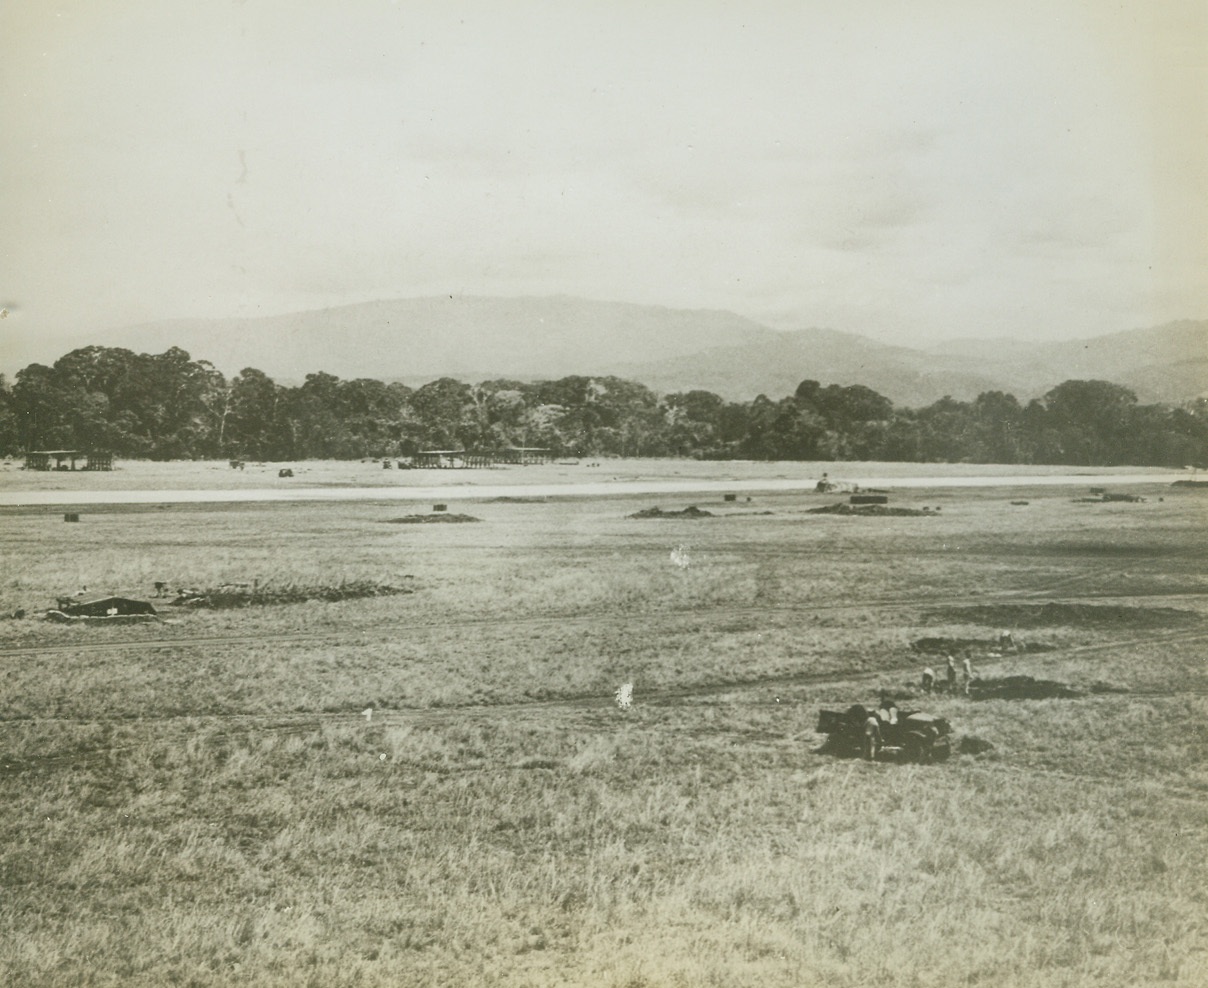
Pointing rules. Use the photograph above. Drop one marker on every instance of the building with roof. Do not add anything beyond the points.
(66, 459)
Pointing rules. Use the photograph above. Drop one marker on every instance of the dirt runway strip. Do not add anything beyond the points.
(461, 492)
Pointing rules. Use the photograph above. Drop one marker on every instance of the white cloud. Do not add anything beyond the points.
(1019, 169)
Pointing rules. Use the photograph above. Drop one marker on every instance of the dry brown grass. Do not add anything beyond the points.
(210, 807)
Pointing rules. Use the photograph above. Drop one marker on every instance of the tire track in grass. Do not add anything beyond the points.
(1194, 794)
(236, 725)
(562, 620)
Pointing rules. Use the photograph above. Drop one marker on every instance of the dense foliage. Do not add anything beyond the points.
(169, 406)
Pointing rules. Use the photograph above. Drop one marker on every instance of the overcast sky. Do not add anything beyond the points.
(910, 171)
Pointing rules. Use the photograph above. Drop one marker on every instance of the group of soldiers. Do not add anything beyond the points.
(966, 675)
(1006, 642)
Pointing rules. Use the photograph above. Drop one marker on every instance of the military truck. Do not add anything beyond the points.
(886, 734)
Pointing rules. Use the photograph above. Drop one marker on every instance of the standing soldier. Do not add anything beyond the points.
(872, 737)
(888, 711)
(951, 675)
(967, 668)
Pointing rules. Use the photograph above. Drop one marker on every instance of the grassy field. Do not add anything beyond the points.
(203, 801)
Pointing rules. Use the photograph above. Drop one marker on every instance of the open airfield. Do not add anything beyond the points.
(145, 482)
(389, 751)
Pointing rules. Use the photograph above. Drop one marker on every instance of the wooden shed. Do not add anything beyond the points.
(52, 459)
(439, 458)
(66, 459)
(526, 454)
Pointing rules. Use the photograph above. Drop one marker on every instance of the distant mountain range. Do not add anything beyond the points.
(1164, 364)
(476, 338)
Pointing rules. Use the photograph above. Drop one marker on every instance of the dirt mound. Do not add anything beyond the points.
(689, 512)
(974, 746)
(436, 518)
(1056, 614)
(1110, 499)
(866, 509)
(265, 595)
(944, 646)
(1021, 688)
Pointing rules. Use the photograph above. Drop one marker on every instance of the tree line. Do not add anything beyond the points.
(170, 406)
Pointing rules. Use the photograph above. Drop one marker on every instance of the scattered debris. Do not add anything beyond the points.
(974, 746)
(107, 606)
(681, 556)
(689, 512)
(117, 610)
(624, 696)
(454, 519)
(59, 617)
(234, 595)
(828, 486)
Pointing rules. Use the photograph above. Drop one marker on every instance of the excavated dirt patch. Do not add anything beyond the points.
(689, 512)
(436, 518)
(1021, 688)
(867, 509)
(944, 646)
(1066, 615)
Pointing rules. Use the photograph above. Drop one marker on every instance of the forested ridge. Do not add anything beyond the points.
(170, 406)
